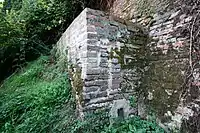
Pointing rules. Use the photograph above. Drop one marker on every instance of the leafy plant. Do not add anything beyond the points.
(133, 125)
(29, 28)
(133, 101)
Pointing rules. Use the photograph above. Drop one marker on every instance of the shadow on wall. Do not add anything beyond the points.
(103, 5)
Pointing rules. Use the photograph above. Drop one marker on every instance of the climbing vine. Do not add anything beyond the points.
(191, 85)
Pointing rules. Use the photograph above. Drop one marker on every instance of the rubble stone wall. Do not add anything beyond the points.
(100, 50)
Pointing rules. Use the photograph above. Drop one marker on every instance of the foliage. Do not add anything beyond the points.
(99, 123)
(11, 44)
(29, 28)
(37, 99)
(133, 125)
(133, 102)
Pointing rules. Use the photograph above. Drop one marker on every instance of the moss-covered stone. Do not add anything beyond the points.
(163, 81)
(77, 82)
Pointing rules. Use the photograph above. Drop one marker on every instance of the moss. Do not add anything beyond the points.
(145, 8)
(77, 82)
(164, 81)
(132, 53)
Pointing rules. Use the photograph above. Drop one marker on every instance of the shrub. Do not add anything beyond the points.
(29, 28)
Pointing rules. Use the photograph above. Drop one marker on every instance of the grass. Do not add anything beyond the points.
(38, 100)
(34, 99)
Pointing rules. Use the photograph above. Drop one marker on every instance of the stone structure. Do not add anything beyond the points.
(164, 82)
(111, 59)
(101, 52)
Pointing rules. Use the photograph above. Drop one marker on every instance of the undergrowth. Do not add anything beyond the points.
(38, 100)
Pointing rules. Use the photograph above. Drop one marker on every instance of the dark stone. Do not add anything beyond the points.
(102, 94)
(91, 89)
(103, 88)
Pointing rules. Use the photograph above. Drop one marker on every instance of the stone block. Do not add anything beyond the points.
(91, 29)
(103, 88)
(92, 35)
(114, 92)
(90, 83)
(104, 60)
(96, 77)
(86, 96)
(102, 82)
(102, 94)
(104, 54)
(115, 70)
(98, 24)
(116, 66)
(90, 77)
(91, 89)
(86, 54)
(93, 48)
(91, 60)
(116, 76)
(114, 23)
(95, 83)
(91, 54)
(104, 65)
(96, 71)
(115, 86)
(92, 41)
(115, 61)
(99, 101)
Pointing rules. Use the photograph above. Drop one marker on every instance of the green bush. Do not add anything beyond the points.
(29, 28)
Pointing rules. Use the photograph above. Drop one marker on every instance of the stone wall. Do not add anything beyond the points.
(168, 56)
(100, 50)
(164, 85)
(146, 57)
(169, 68)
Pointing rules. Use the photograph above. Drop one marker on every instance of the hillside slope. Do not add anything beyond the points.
(38, 100)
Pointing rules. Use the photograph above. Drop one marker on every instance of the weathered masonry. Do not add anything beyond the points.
(104, 55)
(165, 84)
(111, 59)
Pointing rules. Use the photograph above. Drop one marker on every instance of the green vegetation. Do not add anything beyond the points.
(38, 99)
(29, 28)
(134, 125)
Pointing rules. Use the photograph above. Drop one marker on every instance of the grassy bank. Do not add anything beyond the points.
(38, 100)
